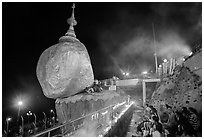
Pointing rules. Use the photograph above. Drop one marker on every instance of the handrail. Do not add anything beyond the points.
(62, 125)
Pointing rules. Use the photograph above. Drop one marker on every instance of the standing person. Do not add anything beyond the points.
(146, 129)
(147, 112)
(157, 129)
(153, 111)
(140, 127)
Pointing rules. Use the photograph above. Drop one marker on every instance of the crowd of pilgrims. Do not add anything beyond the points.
(187, 123)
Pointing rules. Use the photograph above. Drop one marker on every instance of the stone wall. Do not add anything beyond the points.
(71, 108)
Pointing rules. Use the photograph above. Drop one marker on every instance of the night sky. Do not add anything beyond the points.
(118, 36)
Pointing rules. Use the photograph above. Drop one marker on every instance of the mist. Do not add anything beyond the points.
(172, 46)
(89, 129)
(128, 43)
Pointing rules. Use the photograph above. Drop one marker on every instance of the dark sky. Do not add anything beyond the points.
(116, 35)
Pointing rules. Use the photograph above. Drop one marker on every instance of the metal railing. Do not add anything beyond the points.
(48, 131)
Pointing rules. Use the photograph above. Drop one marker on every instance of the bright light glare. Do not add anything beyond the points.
(144, 72)
(20, 103)
(127, 74)
(8, 119)
(165, 60)
(160, 66)
(29, 113)
(123, 73)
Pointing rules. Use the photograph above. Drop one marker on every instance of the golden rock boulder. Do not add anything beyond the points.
(65, 69)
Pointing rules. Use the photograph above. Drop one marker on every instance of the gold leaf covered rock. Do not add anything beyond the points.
(65, 69)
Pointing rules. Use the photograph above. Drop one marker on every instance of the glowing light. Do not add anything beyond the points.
(123, 112)
(124, 73)
(107, 129)
(144, 72)
(160, 66)
(8, 119)
(104, 112)
(20, 103)
(190, 53)
(29, 113)
(127, 74)
(119, 104)
(165, 60)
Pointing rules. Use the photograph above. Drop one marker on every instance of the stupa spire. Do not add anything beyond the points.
(72, 22)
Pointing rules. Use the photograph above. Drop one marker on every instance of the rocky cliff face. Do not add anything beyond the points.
(182, 89)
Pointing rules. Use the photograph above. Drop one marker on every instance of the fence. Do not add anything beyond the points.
(56, 131)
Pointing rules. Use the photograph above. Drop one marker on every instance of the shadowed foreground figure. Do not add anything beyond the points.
(187, 123)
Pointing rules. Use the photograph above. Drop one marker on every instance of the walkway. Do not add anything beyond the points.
(136, 118)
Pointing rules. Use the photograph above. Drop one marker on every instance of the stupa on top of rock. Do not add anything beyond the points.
(64, 69)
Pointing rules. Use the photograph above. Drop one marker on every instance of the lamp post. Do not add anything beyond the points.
(35, 118)
(20, 103)
(22, 125)
(165, 66)
(45, 119)
(34, 122)
(51, 111)
(7, 125)
(28, 114)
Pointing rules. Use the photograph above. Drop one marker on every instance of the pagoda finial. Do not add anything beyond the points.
(72, 22)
